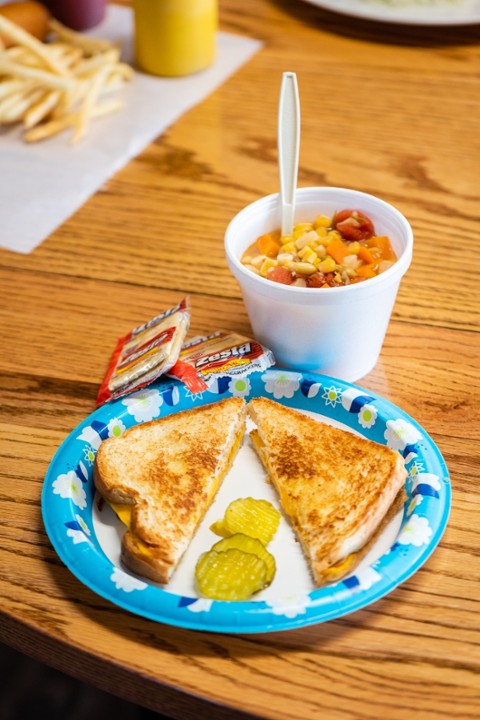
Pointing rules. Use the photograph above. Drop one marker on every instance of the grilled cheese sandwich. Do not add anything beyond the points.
(160, 477)
(337, 489)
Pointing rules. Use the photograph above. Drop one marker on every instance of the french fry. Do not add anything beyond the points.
(113, 83)
(19, 53)
(69, 55)
(52, 86)
(16, 95)
(39, 110)
(8, 67)
(91, 98)
(87, 44)
(8, 87)
(96, 61)
(46, 130)
(13, 111)
(126, 71)
(70, 99)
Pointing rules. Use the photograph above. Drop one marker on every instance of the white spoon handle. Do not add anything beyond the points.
(288, 147)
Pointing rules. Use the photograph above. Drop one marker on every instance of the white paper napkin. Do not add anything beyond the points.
(42, 184)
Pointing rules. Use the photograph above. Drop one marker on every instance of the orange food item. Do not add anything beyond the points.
(365, 255)
(367, 271)
(269, 244)
(338, 250)
(30, 16)
(383, 244)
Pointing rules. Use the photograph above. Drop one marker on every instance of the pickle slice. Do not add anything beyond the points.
(219, 528)
(230, 575)
(249, 545)
(257, 518)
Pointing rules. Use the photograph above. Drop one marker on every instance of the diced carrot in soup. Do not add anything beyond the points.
(382, 242)
(338, 250)
(269, 244)
(365, 255)
(367, 271)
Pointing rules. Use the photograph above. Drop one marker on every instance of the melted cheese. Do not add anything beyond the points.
(234, 450)
(123, 511)
(339, 569)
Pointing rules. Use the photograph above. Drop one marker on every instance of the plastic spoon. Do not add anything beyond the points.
(288, 147)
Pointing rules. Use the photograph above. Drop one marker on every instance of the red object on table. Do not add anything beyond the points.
(78, 14)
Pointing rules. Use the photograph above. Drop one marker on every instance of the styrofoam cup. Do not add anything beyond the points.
(337, 331)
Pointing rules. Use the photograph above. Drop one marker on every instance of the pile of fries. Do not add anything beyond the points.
(59, 84)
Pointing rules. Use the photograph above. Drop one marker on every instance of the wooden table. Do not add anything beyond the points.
(386, 109)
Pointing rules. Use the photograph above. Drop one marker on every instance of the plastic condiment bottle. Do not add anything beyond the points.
(77, 14)
(175, 37)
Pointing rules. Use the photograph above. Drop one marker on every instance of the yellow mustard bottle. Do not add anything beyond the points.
(174, 37)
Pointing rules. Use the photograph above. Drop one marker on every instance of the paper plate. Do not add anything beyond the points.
(408, 12)
(87, 539)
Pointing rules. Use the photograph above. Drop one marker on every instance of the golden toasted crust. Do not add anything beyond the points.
(336, 487)
(169, 471)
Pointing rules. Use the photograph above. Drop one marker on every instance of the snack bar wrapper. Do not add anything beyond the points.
(205, 359)
(147, 352)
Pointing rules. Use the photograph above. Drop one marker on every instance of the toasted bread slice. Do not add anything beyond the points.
(161, 477)
(337, 488)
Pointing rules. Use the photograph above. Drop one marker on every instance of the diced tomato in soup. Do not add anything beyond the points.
(281, 275)
(353, 225)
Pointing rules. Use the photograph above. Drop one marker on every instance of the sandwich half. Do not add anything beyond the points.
(160, 478)
(338, 490)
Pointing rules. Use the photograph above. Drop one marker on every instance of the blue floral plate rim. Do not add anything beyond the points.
(68, 503)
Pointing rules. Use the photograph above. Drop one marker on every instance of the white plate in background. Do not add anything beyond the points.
(408, 12)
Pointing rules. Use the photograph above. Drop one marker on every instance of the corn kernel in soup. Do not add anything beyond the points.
(328, 252)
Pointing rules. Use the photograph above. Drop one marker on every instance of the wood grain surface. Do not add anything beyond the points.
(391, 110)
